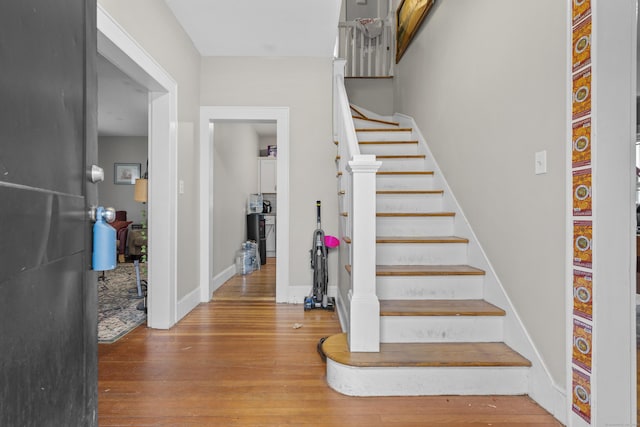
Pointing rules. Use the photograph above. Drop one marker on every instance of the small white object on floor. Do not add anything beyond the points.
(297, 325)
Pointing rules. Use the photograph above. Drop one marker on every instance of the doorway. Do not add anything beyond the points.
(208, 118)
(123, 111)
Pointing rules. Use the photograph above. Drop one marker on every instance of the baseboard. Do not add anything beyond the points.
(188, 303)
(560, 409)
(296, 294)
(220, 278)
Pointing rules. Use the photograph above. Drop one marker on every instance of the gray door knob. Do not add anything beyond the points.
(96, 174)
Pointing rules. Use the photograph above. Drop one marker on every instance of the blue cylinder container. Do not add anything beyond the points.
(104, 243)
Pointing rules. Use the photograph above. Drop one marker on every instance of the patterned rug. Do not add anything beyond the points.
(117, 312)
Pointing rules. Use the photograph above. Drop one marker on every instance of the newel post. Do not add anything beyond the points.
(364, 325)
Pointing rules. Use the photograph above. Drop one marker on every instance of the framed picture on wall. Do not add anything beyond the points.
(410, 15)
(126, 173)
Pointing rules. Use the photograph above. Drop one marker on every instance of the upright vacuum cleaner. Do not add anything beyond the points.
(318, 252)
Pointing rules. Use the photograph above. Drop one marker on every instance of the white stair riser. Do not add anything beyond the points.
(415, 226)
(409, 202)
(384, 136)
(430, 329)
(405, 182)
(429, 287)
(428, 381)
(389, 149)
(421, 253)
(405, 164)
(368, 124)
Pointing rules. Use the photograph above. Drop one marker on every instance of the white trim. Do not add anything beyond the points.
(124, 52)
(568, 401)
(208, 115)
(188, 303)
(613, 56)
(222, 277)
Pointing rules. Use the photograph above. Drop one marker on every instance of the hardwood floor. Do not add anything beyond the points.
(242, 360)
(257, 286)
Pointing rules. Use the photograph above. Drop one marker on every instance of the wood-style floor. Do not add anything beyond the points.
(242, 360)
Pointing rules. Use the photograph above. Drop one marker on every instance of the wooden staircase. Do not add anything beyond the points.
(438, 335)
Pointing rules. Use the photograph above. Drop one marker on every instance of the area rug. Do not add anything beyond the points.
(117, 308)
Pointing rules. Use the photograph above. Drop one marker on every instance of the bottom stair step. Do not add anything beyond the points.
(425, 369)
(422, 355)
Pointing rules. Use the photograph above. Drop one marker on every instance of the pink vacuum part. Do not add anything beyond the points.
(331, 241)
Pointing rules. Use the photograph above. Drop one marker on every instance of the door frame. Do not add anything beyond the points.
(208, 116)
(124, 52)
(613, 376)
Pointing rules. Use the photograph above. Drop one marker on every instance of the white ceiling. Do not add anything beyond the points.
(260, 27)
(122, 103)
(277, 28)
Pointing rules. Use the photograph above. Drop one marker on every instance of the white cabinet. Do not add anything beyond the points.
(268, 174)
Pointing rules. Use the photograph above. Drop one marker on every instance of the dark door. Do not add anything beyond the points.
(48, 141)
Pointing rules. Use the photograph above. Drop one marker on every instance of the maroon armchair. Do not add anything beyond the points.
(122, 230)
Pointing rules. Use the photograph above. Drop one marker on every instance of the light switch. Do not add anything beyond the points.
(541, 162)
(181, 187)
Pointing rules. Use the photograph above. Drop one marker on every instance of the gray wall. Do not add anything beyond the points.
(121, 149)
(370, 9)
(305, 86)
(235, 169)
(376, 95)
(154, 27)
(487, 88)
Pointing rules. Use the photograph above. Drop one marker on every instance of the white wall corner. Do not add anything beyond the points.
(220, 279)
(188, 303)
(546, 393)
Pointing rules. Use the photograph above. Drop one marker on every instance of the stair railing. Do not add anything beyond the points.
(357, 299)
(368, 47)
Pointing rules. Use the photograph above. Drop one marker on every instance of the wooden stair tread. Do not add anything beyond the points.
(358, 112)
(387, 142)
(384, 129)
(410, 192)
(439, 308)
(383, 122)
(494, 354)
(400, 156)
(410, 214)
(428, 270)
(421, 239)
(404, 173)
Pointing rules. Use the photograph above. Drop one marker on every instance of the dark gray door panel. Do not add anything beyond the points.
(42, 357)
(37, 228)
(48, 140)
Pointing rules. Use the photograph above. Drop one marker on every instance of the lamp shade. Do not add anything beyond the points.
(140, 190)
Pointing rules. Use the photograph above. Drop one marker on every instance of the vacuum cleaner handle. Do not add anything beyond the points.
(318, 214)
